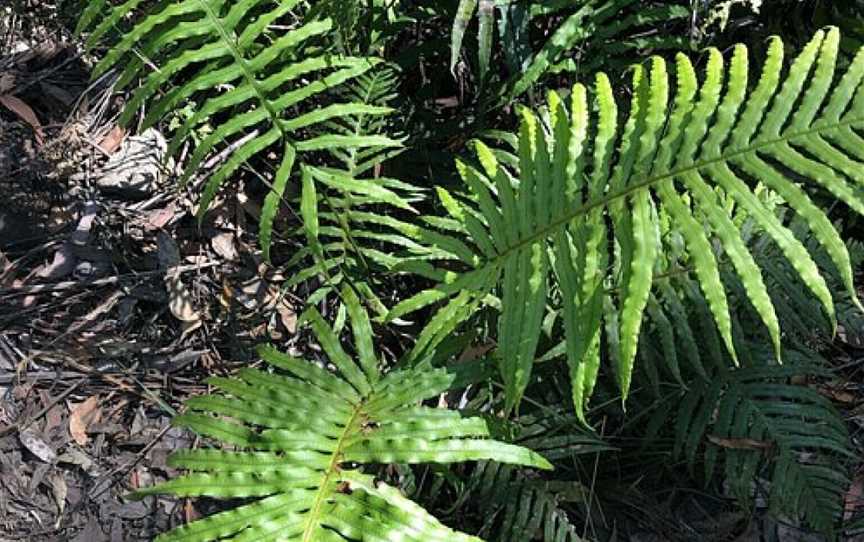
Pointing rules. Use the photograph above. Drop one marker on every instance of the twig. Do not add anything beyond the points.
(59, 286)
(22, 426)
(123, 469)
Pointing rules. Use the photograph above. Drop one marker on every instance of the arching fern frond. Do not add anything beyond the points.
(356, 208)
(298, 435)
(775, 437)
(681, 170)
(762, 426)
(267, 82)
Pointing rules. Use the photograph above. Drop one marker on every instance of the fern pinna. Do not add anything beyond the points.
(590, 34)
(267, 83)
(297, 436)
(779, 440)
(686, 168)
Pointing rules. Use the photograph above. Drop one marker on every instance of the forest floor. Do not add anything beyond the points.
(114, 304)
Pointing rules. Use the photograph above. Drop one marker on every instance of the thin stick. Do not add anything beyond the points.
(38, 288)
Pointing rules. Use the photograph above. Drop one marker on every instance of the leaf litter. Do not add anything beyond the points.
(111, 304)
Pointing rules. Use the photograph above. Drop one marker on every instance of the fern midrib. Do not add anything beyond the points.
(241, 61)
(784, 448)
(312, 521)
(560, 222)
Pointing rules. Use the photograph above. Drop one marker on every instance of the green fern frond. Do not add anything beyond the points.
(355, 209)
(518, 506)
(299, 434)
(778, 440)
(589, 31)
(267, 83)
(761, 426)
(523, 509)
(695, 162)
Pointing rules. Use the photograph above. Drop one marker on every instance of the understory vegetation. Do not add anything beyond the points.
(571, 268)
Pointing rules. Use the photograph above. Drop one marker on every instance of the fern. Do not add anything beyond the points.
(519, 505)
(775, 437)
(579, 181)
(266, 83)
(589, 31)
(763, 427)
(357, 210)
(296, 441)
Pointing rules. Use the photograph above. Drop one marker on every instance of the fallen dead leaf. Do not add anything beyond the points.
(159, 218)
(838, 395)
(7, 82)
(223, 244)
(740, 443)
(190, 512)
(251, 293)
(854, 498)
(289, 317)
(852, 337)
(37, 446)
(62, 265)
(74, 456)
(475, 352)
(82, 416)
(25, 113)
(60, 490)
(179, 300)
(112, 140)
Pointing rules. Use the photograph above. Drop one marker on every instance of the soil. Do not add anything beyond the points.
(97, 352)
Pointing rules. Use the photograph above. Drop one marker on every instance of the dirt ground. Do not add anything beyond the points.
(114, 304)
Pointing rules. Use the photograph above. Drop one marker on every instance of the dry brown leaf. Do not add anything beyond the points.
(838, 395)
(37, 446)
(61, 265)
(7, 82)
(190, 512)
(288, 316)
(223, 244)
(25, 113)
(60, 491)
(179, 300)
(159, 218)
(854, 498)
(112, 140)
(740, 443)
(475, 352)
(82, 416)
(251, 293)
(851, 337)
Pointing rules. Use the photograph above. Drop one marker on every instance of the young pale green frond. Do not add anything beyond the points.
(269, 85)
(593, 207)
(300, 431)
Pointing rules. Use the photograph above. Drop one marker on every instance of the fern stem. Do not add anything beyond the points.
(332, 468)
